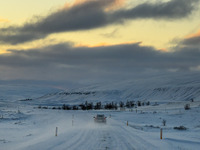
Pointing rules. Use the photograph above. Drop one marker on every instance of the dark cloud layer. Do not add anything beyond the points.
(65, 62)
(92, 14)
(174, 9)
(193, 41)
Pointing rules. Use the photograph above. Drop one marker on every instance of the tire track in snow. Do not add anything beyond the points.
(111, 136)
(93, 137)
(127, 138)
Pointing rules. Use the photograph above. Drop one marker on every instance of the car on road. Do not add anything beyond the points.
(100, 118)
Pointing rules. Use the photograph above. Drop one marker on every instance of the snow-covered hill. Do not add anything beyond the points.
(154, 89)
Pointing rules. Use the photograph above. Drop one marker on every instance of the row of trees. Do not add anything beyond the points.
(131, 104)
(98, 106)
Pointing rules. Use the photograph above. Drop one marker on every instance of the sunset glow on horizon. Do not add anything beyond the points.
(32, 27)
(156, 33)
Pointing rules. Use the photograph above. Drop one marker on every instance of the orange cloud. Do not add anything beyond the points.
(100, 45)
(116, 4)
(164, 50)
(75, 3)
(4, 20)
(4, 52)
(106, 44)
(94, 45)
(197, 34)
(79, 2)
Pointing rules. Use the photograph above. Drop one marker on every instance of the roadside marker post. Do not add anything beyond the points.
(161, 133)
(56, 131)
(127, 123)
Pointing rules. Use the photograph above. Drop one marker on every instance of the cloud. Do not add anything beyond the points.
(111, 34)
(192, 40)
(4, 20)
(93, 14)
(174, 9)
(66, 62)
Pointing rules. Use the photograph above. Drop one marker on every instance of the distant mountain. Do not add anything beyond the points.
(13, 90)
(154, 89)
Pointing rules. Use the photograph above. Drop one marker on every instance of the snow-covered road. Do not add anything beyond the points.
(78, 131)
(84, 134)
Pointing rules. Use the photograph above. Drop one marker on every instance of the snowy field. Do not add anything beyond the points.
(27, 128)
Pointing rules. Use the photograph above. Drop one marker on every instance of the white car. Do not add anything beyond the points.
(100, 118)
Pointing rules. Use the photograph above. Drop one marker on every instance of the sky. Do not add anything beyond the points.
(95, 40)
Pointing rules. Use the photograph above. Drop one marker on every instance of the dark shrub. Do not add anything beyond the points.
(187, 106)
(164, 122)
(180, 128)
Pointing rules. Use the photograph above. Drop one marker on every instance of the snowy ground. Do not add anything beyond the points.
(34, 129)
